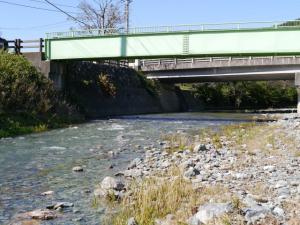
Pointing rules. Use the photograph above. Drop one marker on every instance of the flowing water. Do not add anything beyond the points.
(36, 163)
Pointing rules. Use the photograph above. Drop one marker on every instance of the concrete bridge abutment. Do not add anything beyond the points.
(53, 70)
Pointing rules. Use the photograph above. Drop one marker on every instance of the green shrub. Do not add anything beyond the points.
(23, 88)
(28, 100)
(247, 94)
(107, 85)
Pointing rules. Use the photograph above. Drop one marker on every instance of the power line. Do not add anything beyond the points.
(63, 5)
(31, 7)
(72, 17)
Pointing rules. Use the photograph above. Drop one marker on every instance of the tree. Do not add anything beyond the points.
(100, 14)
(293, 23)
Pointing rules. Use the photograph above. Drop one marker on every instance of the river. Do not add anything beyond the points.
(32, 164)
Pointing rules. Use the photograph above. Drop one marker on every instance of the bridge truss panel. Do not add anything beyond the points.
(177, 44)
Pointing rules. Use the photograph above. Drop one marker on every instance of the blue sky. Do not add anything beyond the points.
(19, 22)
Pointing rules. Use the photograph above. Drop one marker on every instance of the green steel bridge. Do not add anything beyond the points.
(204, 40)
(191, 53)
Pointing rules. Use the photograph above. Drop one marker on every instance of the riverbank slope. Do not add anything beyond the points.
(28, 101)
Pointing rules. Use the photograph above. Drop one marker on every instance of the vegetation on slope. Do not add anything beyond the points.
(28, 101)
(247, 94)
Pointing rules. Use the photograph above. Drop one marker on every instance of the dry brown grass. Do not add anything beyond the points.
(295, 220)
(155, 198)
(178, 142)
(258, 189)
(292, 208)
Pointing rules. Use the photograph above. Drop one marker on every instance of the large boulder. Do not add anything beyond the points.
(110, 186)
(256, 213)
(191, 172)
(210, 211)
(39, 214)
(110, 183)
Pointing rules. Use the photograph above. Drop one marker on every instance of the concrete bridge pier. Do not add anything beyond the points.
(297, 84)
(54, 70)
(57, 74)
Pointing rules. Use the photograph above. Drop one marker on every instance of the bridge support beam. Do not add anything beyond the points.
(56, 74)
(297, 84)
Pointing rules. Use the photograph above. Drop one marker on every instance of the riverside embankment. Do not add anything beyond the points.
(104, 91)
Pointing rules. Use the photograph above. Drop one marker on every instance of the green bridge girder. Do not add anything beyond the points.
(237, 42)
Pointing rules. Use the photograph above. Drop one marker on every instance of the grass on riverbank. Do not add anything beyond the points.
(19, 124)
(155, 198)
(245, 138)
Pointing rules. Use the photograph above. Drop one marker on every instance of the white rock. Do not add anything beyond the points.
(169, 220)
(269, 146)
(100, 192)
(77, 169)
(269, 168)
(133, 173)
(112, 183)
(47, 193)
(210, 211)
(255, 213)
(132, 221)
(134, 163)
(281, 184)
(60, 205)
(279, 211)
(241, 176)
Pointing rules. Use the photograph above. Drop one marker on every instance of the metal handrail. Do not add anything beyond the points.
(150, 62)
(178, 28)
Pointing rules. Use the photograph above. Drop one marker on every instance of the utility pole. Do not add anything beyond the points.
(127, 14)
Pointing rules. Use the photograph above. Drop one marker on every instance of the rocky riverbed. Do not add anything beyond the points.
(238, 173)
(245, 174)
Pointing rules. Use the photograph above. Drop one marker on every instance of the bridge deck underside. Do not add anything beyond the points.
(226, 74)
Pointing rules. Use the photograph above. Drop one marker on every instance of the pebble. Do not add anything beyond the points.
(47, 193)
(77, 169)
(60, 205)
(132, 221)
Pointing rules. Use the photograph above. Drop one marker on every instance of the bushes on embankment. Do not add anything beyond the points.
(247, 94)
(28, 101)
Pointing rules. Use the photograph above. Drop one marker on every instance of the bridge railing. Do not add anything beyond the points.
(18, 45)
(177, 28)
(191, 61)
